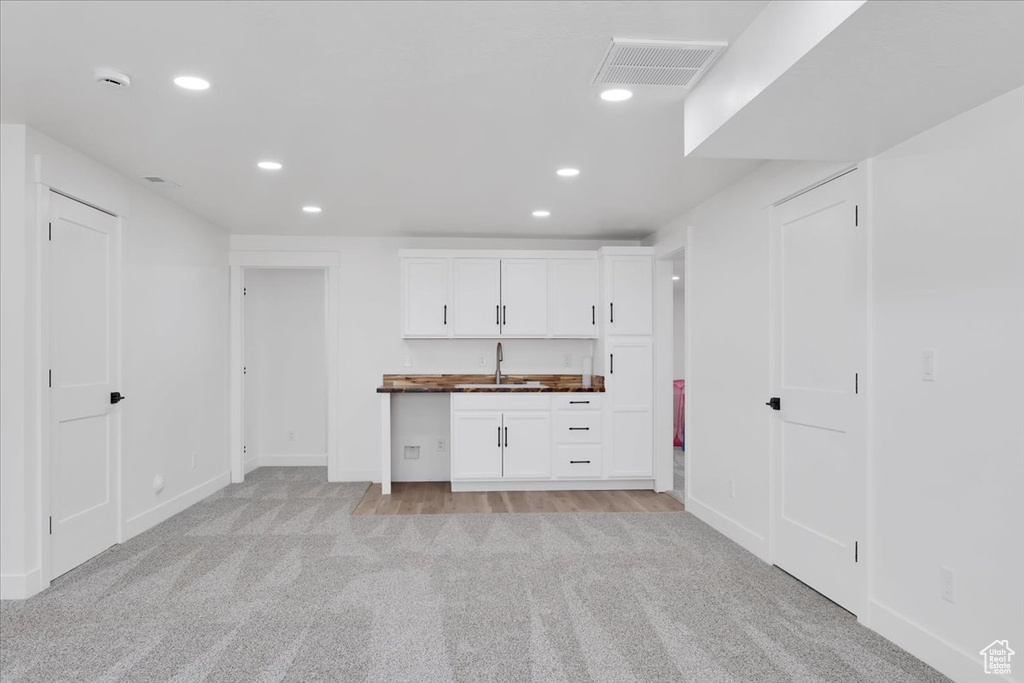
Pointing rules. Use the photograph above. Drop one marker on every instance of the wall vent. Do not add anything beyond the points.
(656, 62)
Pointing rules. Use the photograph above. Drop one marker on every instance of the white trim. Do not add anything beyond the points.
(164, 511)
(664, 353)
(284, 259)
(728, 527)
(385, 443)
(925, 645)
(590, 254)
(358, 474)
(291, 460)
(20, 586)
(555, 485)
(249, 465)
(236, 390)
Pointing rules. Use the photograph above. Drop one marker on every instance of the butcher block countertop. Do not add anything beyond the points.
(443, 384)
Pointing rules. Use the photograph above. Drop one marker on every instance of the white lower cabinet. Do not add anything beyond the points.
(476, 444)
(630, 385)
(526, 445)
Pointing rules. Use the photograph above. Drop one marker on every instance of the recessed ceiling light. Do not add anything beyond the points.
(269, 165)
(541, 213)
(312, 209)
(191, 83)
(616, 95)
(568, 172)
(675, 277)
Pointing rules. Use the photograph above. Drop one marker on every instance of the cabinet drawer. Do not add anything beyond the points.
(578, 462)
(578, 401)
(577, 427)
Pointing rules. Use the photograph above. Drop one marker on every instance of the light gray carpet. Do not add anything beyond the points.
(679, 474)
(274, 580)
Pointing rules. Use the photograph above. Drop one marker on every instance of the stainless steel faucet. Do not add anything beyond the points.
(498, 357)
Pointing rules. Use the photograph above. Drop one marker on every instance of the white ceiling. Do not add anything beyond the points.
(398, 118)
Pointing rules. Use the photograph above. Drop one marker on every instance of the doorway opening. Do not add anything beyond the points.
(284, 367)
(678, 376)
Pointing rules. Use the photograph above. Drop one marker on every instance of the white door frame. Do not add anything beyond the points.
(664, 348)
(862, 199)
(238, 261)
(43, 207)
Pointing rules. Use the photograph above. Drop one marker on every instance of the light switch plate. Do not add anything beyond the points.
(929, 371)
(407, 360)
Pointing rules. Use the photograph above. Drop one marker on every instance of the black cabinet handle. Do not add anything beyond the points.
(775, 403)
(579, 462)
(572, 402)
(446, 314)
(506, 437)
(593, 315)
(611, 313)
(116, 397)
(499, 436)
(611, 364)
(497, 314)
(579, 429)
(503, 321)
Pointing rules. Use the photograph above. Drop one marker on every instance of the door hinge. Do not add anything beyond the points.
(243, 449)
(856, 382)
(856, 551)
(51, 526)
(244, 370)
(243, 291)
(49, 232)
(856, 215)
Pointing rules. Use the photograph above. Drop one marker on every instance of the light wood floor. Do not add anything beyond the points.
(434, 498)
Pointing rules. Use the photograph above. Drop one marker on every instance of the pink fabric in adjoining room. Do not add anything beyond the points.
(679, 392)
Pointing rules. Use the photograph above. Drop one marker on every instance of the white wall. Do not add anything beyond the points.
(286, 366)
(174, 342)
(946, 484)
(948, 465)
(371, 345)
(13, 542)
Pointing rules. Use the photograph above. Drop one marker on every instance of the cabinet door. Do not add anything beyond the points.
(629, 305)
(426, 311)
(477, 297)
(572, 297)
(524, 297)
(526, 437)
(630, 388)
(477, 438)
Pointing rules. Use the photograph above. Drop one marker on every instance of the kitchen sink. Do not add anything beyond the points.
(503, 385)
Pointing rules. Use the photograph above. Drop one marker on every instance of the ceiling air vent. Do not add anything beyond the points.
(656, 62)
(157, 180)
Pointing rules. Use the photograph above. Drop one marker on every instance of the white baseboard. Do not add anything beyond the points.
(929, 648)
(20, 586)
(558, 485)
(249, 464)
(733, 530)
(164, 511)
(291, 460)
(364, 474)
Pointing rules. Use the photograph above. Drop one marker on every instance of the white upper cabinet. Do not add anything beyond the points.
(426, 307)
(628, 295)
(524, 297)
(572, 297)
(476, 297)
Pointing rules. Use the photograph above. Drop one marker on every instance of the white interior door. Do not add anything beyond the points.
(820, 322)
(83, 274)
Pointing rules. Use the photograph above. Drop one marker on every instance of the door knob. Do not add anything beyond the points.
(775, 403)
(116, 397)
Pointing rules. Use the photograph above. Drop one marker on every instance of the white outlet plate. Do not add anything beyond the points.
(732, 488)
(440, 445)
(411, 453)
(407, 360)
(567, 360)
(929, 371)
(193, 461)
(482, 360)
(946, 584)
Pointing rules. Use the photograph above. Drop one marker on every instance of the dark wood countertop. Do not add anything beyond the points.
(443, 384)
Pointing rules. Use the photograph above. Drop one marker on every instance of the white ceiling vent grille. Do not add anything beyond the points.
(656, 62)
(157, 180)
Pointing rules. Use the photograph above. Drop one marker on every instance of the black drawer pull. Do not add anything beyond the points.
(579, 462)
(579, 429)
(575, 402)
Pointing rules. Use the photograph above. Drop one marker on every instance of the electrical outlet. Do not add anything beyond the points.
(481, 360)
(193, 461)
(567, 360)
(929, 372)
(407, 360)
(291, 435)
(411, 453)
(440, 445)
(158, 483)
(946, 584)
(732, 488)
